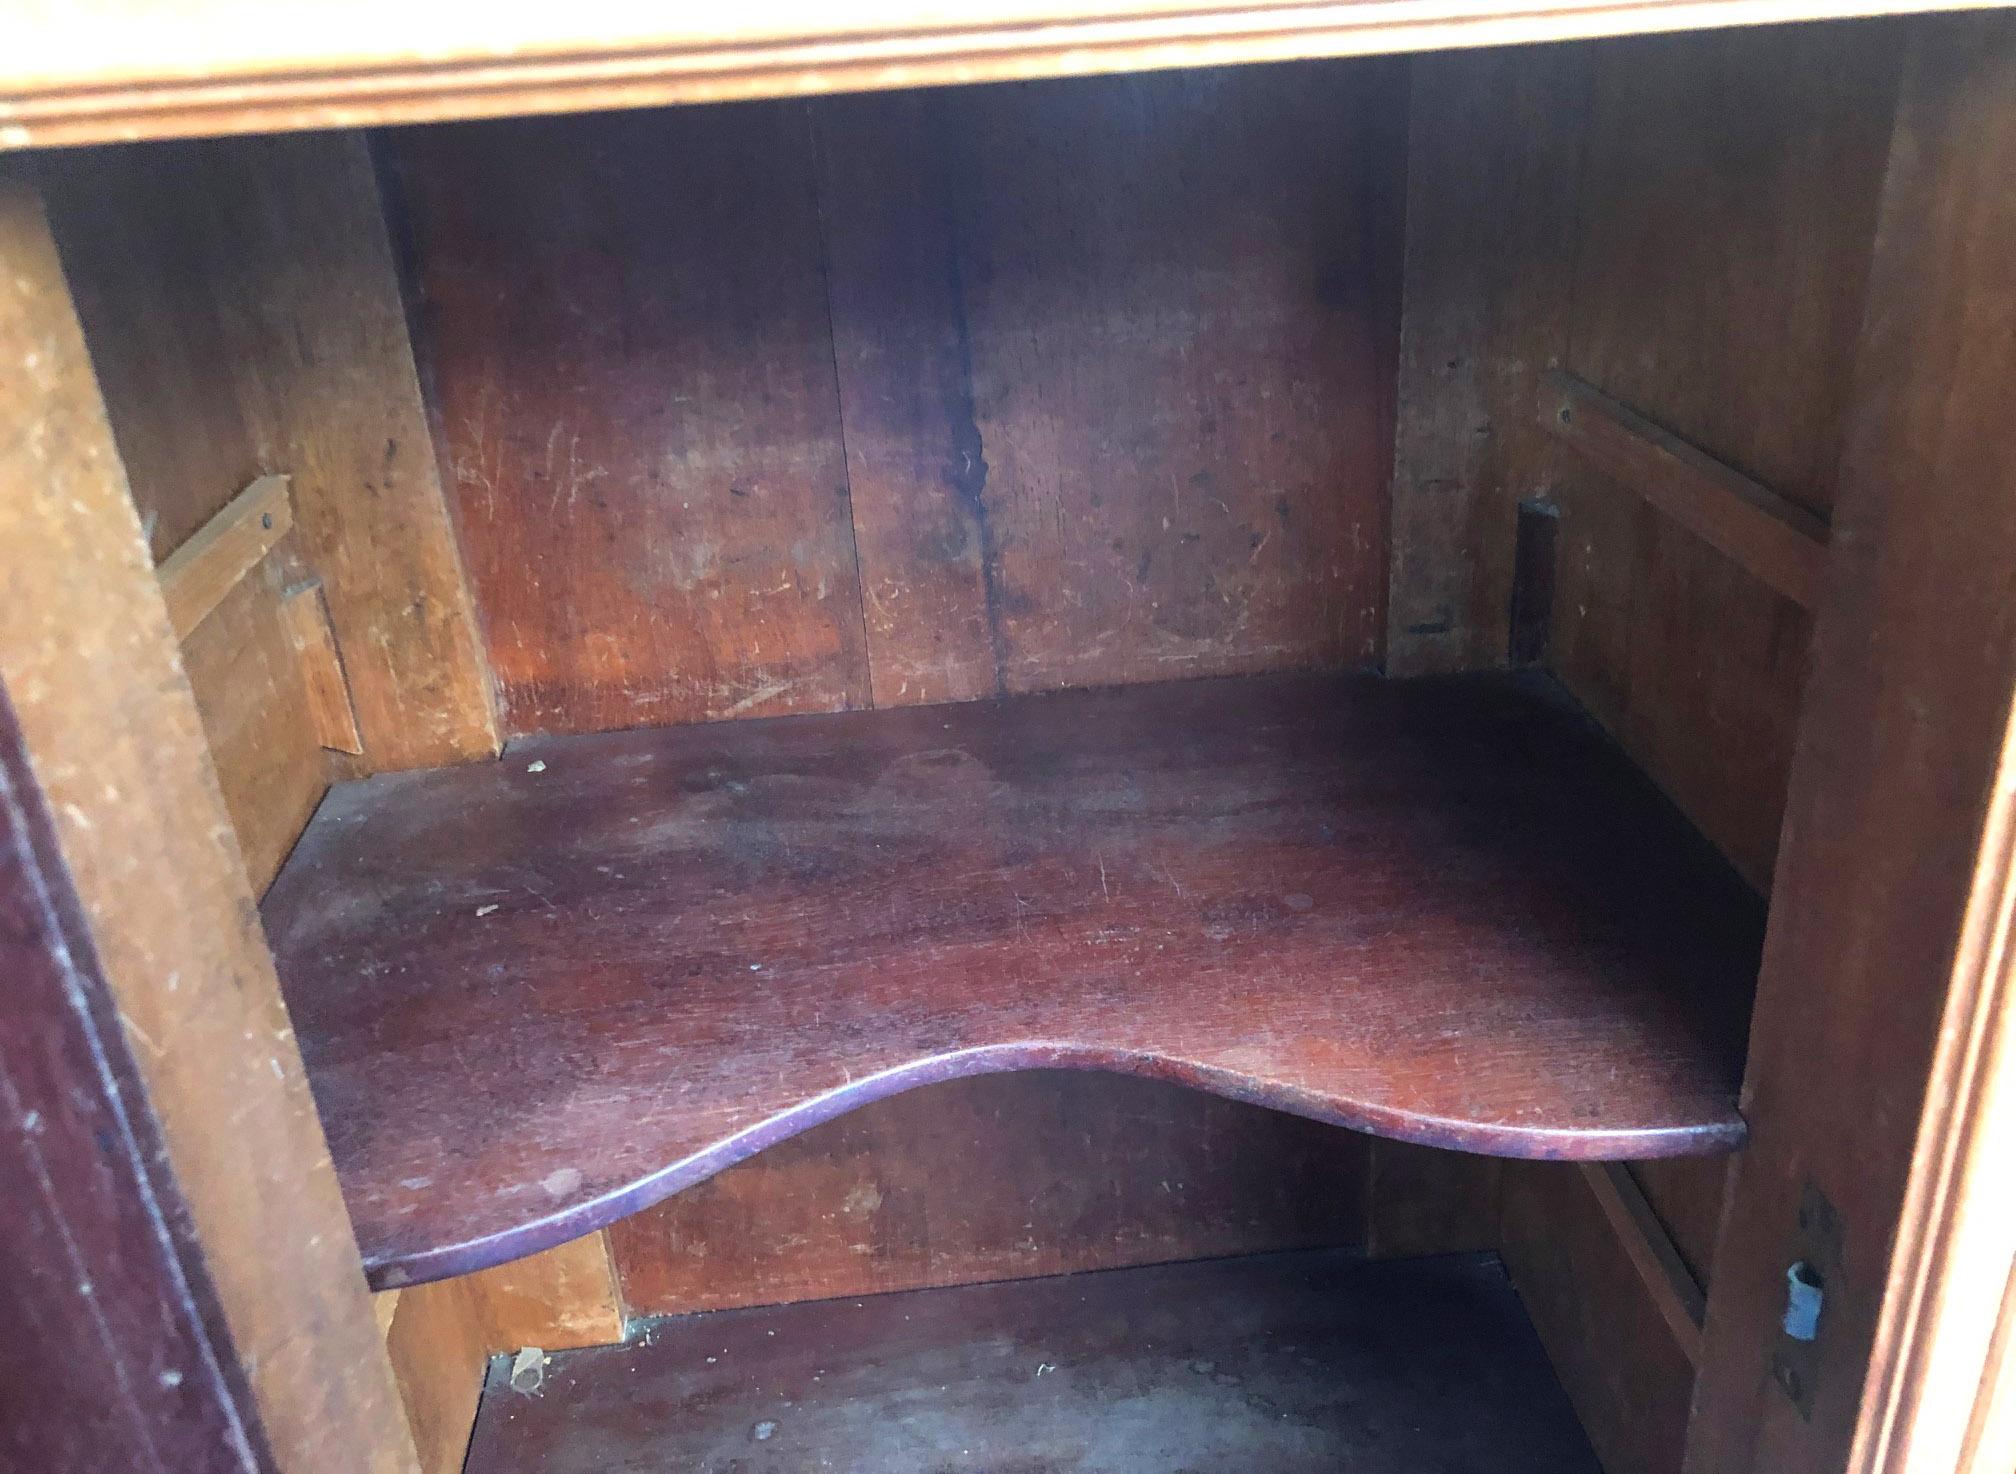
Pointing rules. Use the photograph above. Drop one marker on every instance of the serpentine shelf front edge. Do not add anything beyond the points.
(537, 994)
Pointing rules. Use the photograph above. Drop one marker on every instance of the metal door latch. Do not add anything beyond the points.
(1816, 1266)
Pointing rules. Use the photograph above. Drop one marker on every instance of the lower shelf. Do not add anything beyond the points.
(1289, 1364)
(537, 994)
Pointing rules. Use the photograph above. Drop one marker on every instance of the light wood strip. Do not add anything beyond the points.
(1776, 539)
(1677, 1297)
(196, 576)
(562, 1297)
(305, 613)
(88, 71)
(257, 722)
(434, 1340)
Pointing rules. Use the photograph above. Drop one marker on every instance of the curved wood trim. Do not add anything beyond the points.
(1539, 1144)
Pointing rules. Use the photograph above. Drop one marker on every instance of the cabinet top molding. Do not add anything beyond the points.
(98, 71)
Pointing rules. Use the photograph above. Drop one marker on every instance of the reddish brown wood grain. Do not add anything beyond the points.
(541, 993)
(1116, 361)
(626, 322)
(1493, 151)
(1723, 238)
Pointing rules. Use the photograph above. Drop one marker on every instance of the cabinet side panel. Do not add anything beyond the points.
(1624, 1371)
(113, 739)
(244, 317)
(1914, 667)
(1723, 238)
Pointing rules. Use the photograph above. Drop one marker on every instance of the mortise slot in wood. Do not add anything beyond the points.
(1776, 539)
(1532, 613)
(196, 576)
(306, 614)
(1679, 1299)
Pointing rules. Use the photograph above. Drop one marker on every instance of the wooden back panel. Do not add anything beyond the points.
(881, 401)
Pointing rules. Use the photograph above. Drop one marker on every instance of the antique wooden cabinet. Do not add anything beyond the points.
(661, 672)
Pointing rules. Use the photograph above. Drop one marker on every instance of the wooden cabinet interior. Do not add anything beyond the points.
(830, 411)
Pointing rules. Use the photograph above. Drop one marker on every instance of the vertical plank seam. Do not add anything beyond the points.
(815, 162)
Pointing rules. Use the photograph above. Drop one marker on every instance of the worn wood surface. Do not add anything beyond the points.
(1291, 1362)
(1493, 164)
(566, 1296)
(1115, 365)
(226, 593)
(244, 318)
(124, 1362)
(1724, 236)
(304, 611)
(1113, 368)
(438, 1352)
(1914, 666)
(113, 740)
(1777, 541)
(1627, 1376)
(1002, 1177)
(113, 69)
(1448, 912)
(196, 576)
(259, 721)
(626, 326)
(145, 286)
(325, 368)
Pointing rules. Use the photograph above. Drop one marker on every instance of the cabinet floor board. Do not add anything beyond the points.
(1288, 1364)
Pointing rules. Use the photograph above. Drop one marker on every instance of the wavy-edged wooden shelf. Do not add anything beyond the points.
(537, 994)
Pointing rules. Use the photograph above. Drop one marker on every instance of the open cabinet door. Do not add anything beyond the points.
(123, 1364)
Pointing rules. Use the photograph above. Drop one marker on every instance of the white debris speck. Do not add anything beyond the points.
(537, 765)
(486, 910)
(528, 1370)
